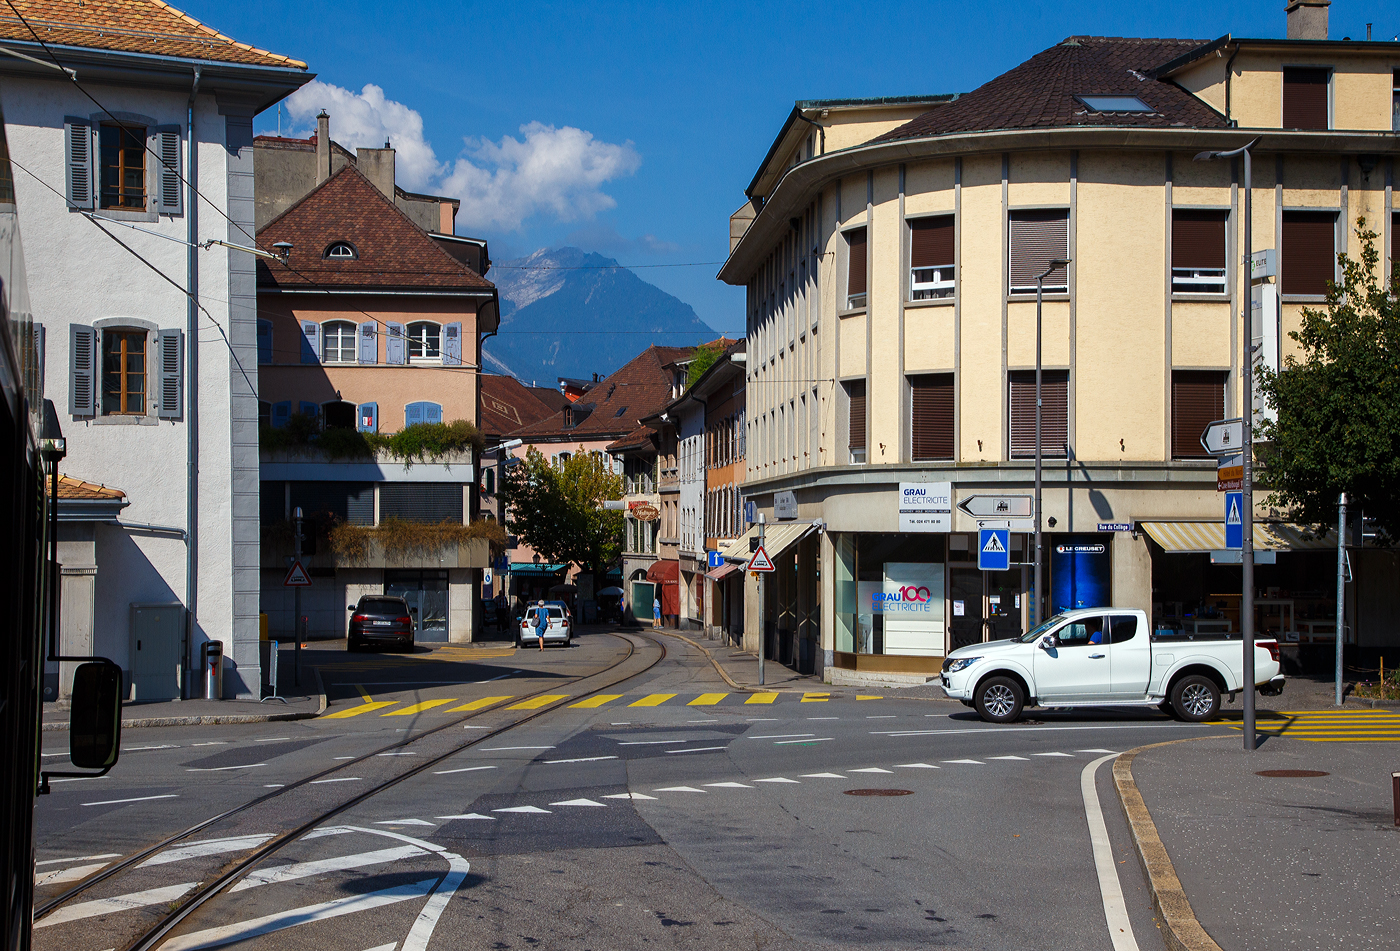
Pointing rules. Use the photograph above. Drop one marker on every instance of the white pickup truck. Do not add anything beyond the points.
(1096, 657)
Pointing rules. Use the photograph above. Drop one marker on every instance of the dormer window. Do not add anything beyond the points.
(1115, 104)
(342, 251)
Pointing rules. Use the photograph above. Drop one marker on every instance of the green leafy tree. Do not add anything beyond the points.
(558, 510)
(1338, 407)
(702, 358)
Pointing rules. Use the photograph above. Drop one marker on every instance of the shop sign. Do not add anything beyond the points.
(926, 506)
(903, 599)
(784, 505)
(643, 511)
(1229, 475)
(1080, 573)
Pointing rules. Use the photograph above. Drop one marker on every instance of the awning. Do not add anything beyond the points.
(776, 540)
(724, 570)
(526, 569)
(1210, 536)
(664, 572)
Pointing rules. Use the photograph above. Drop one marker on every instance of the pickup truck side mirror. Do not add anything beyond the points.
(1048, 642)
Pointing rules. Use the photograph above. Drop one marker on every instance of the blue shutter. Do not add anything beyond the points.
(452, 345)
(432, 413)
(281, 412)
(369, 343)
(413, 414)
(367, 418)
(77, 136)
(170, 367)
(264, 341)
(396, 345)
(308, 409)
(310, 341)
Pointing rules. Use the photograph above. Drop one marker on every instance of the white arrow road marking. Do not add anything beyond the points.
(443, 892)
(59, 876)
(1052, 754)
(470, 815)
(971, 762)
(107, 906)
(629, 795)
(288, 873)
(778, 779)
(1021, 758)
(117, 802)
(222, 769)
(403, 822)
(1115, 910)
(822, 776)
(870, 769)
(206, 847)
(729, 785)
(386, 947)
(464, 769)
(579, 802)
(916, 766)
(678, 789)
(80, 858)
(529, 809)
(256, 927)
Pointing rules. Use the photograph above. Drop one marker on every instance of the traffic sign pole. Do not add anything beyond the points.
(762, 621)
(296, 606)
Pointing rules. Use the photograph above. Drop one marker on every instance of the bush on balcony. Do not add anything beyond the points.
(424, 442)
(399, 538)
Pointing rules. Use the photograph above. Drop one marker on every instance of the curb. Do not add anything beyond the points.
(58, 726)
(1181, 931)
(711, 658)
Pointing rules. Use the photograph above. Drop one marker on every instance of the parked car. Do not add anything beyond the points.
(1096, 657)
(381, 621)
(559, 631)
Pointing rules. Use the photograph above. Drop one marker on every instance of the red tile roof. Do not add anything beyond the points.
(129, 26)
(619, 401)
(639, 438)
(1040, 93)
(507, 404)
(393, 250)
(71, 488)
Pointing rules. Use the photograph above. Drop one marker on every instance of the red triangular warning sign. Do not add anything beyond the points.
(297, 577)
(760, 561)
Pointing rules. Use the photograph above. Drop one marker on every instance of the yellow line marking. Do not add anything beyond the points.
(364, 694)
(597, 701)
(418, 707)
(356, 711)
(707, 700)
(534, 703)
(1351, 739)
(815, 697)
(762, 698)
(863, 697)
(655, 700)
(478, 704)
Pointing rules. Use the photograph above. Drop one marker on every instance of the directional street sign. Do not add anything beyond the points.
(994, 549)
(1229, 473)
(760, 561)
(999, 506)
(1234, 521)
(716, 559)
(297, 577)
(1223, 437)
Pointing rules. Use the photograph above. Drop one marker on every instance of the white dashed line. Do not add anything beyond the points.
(464, 769)
(117, 802)
(819, 739)
(585, 759)
(700, 749)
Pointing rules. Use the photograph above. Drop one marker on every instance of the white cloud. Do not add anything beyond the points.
(556, 171)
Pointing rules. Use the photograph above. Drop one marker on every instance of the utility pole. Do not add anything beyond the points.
(1341, 584)
(296, 602)
(1055, 265)
(762, 620)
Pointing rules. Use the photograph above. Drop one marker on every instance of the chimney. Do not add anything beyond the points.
(1307, 19)
(323, 146)
(378, 166)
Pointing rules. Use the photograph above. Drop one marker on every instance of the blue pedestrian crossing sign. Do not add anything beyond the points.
(1234, 521)
(994, 549)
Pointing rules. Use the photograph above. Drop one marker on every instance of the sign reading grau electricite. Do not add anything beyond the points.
(926, 506)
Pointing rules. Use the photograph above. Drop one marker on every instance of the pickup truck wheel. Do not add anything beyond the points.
(999, 700)
(1196, 698)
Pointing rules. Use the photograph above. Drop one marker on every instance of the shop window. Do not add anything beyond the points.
(1305, 97)
(1035, 238)
(890, 594)
(855, 396)
(1198, 399)
(931, 258)
(856, 277)
(1054, 426)
(1309, 252)
(1198, 251)
(931, 412)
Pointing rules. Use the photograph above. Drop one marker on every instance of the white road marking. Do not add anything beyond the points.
(500, 749)
(64, 753)
(1052, 754)
(403, 822)
(328, 830)
(779, 736)
(650, 742)
(1021, 758)
(870, 769)
(117, 802)
(77, 779)
(778, 779)
(106, 906)
(819, 739)
(137, 749)
(678, 789)
(342, 757)
(585, 759)
(237, 843)
(273, 785)
(533, 810)
(397, 754)
(212, 743)
(579, 802)
(464, 769)
(699, 749)
(443, 892)
(823, 718)
(970, 762)
(762, 719)
(629, 795)
(1037, 729)
(222, 769)
(271, 739)
(338, 779)
(884, 716)
(80, 858)
(916, 766)
(822, 776)
(470, 815)
(60, 876)
(386, 947)
(729, 785)
(1115, 752)
(292, 872)
(1115, 910)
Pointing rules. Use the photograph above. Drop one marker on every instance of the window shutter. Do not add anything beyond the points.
(396, 346)
(932, 416)
(931, 242)
(1198, 238)
(1305, 98)
(432, 413)
(77, 137)
(1054, 425)
(165, 140)
(1309, 252)
(1035, 239)
(856, 270)
(170, 369)
(310, 341)
(452, 345)
(281, 412)
(856, 391)
(307, 408)
(368, 418)
(39, 357)
(82, 381)
(264, 341)
(369, 343)
(1198, 399)
(413, 414)
(421, 501)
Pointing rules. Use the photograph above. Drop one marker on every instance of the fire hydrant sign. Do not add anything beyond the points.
(297, 577)
(760, 561)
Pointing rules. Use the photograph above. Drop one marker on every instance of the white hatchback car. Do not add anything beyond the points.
(559, 631)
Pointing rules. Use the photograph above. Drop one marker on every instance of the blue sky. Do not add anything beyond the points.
(632, 129)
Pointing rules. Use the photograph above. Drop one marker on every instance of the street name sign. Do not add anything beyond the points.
(1115, 526)
(1223, 437)
(1229, 474)
(760, 561)
(994, 549)
(297, 577)
(926, 506)
(1234, 521)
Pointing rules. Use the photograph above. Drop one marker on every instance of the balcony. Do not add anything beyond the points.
(1198, 280)
(931, 283)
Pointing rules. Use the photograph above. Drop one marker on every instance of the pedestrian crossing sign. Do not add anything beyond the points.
(994, 549)
(1234, 521)
(760, 561)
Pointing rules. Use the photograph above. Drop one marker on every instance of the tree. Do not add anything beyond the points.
(702, 358)
(558, 509)
(1338, 407)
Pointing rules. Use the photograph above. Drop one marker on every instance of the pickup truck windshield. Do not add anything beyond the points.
(1035, 632)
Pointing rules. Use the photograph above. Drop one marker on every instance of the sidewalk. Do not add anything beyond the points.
(1271, 863)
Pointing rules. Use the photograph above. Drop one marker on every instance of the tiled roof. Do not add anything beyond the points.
(1040, 93)
(639, 438)
(550, 397)
(393, 251)
(507, 404)
(129, 26)
(77, 489)
(637, 389)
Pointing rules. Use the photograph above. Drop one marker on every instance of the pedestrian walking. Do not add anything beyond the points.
(656, 612)
(541, 621)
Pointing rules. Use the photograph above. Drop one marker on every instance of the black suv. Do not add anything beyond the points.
(380, 620)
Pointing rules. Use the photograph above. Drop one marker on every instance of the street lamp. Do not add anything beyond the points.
(1247, 442)
(1055, 265)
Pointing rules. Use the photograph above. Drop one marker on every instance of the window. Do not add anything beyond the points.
(338, 342)
(855, 395)
(1036, 238)
(123, 372)
(341, 251)
(351, 502)
(123, 157)
(264, 413)
(931, 426)
(1122, 627)
(421, 501)
(1198, 251)
(931, 258)
(1115, 104)
(620, 411)
(855, 268)
(424, 341)
(1080, 633)
(1054, 426)
(264, 341)
(338, 414)
(1309, 252)
(1198, 399)
(1305, 97)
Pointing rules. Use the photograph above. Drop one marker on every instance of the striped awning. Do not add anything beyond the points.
(1210, 536)
(777, 538)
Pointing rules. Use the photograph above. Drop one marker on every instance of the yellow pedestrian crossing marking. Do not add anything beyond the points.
(654, 700)
(364, 694)
(534, 703)
(762, 698)
(418, 707)
(1329, 726)
(707, 700)
(356, 711)
(478, 704)
(815, 697)
(868, 697)
(598, 701)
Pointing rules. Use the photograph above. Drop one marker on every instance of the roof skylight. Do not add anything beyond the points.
(1115, 104)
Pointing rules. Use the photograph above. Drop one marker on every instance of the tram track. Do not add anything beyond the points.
(219, 875)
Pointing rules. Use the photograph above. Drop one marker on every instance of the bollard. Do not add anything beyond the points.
(272, 663)
(212, 662)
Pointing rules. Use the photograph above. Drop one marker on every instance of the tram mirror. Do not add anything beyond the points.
(95, 724)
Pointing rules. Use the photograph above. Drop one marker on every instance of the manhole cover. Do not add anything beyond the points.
(879, 792)
(1290, 773)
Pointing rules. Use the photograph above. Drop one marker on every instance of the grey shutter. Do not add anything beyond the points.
(264, 341)
(166, 143)
(281, 412)
(170, 374)
(1035, 239)
(39, 358)
(367, 418)
(77, 137)
(396, 346)
(310, 341)
(368, 349)
(452, 345)
(82, 369)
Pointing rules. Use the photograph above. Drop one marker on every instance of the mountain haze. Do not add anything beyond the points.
(568, 312)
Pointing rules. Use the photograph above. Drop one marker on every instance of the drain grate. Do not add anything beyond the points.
(879, 792)
(1291, 773)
